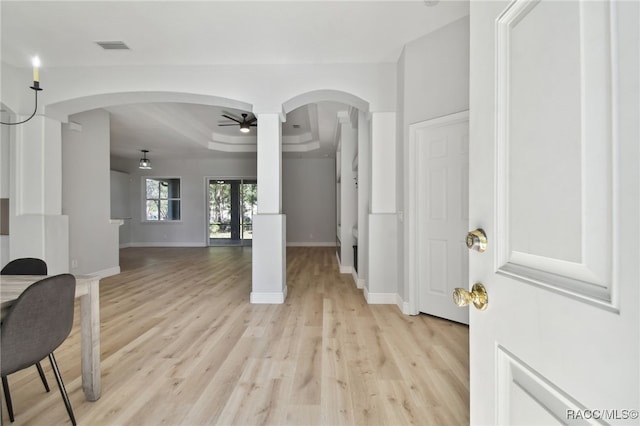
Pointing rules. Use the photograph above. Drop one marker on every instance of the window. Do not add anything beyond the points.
(162, 199)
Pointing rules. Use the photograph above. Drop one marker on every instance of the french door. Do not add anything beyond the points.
(231, 206)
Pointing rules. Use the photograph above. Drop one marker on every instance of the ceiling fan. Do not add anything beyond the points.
(245, 124)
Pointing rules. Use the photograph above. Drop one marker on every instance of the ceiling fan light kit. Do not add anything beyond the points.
(245, 124)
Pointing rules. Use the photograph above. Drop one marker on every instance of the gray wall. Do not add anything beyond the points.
(5, 136)
(121, 204)
(191, 230)
(309, 200)
(433, 81)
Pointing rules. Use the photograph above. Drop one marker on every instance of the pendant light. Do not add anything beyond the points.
(145, 163)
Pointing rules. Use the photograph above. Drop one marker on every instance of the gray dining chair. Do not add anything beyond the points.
(28, 266)
(25, 266)
(35, 325)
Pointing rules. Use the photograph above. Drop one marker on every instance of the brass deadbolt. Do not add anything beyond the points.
(477, 240)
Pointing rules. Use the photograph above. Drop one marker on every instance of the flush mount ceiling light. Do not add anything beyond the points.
(36, 88)
(145, 163)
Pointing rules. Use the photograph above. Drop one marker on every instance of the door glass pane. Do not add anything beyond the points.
(232, 205)
(219, 209)
(249, 200)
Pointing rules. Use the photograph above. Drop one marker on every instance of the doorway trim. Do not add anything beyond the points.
(411, 242)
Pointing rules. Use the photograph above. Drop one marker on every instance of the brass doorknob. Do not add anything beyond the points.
(477, 240)
(478, 296)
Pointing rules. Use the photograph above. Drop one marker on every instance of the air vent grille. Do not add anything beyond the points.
(113, 45)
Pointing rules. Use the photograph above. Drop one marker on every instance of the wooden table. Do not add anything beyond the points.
(88, 290)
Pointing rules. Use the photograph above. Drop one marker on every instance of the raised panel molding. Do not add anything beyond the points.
(437, 262)
(524, 392)
(589, 277)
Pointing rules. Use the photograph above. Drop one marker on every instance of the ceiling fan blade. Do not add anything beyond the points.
(254, 125)
(231, 118)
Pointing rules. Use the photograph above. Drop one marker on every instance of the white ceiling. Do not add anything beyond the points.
(210, 32)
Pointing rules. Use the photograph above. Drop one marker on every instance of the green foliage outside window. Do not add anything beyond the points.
(162, 199)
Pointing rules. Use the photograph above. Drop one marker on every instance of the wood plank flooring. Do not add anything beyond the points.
(181, 345)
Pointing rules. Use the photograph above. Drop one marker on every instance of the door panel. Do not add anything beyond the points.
(554, 183)
(550, 146)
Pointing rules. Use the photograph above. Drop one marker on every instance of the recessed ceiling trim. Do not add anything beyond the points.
(234, 139)
(298, 139)
(305, 147)
(225, 147)
(113, 45)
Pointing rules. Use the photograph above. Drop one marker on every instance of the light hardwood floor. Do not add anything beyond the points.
(181, 345)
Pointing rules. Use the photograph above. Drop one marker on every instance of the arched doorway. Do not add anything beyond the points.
(335, 210)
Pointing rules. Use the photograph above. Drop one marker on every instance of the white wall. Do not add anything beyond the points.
(86, 197)
(433, 81)
(309, 201)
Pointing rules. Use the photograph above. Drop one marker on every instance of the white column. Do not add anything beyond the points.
(364, 185)
(348, 197)
(381, 287)
(37, 226)
(269, 282)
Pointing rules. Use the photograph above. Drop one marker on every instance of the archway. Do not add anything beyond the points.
(92, 143)
(63, 109)
(349, 180)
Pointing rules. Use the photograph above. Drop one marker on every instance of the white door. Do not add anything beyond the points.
(440, 169)
(554, 181)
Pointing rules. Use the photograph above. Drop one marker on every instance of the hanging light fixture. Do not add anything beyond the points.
(36, 88)
(145, 163)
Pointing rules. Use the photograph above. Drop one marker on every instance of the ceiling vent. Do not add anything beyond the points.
(113, 45)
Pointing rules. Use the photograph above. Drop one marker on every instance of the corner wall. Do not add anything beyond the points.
(93, 238)
(433, 81)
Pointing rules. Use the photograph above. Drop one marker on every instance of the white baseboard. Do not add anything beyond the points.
(346, 269)
(104, 273)
(167, 244)
(380, 298)
(272, 298)
(360, 283)
(125, 245)
(311, 244)
(403, 306)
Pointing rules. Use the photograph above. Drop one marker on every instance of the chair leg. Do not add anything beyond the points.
(63, 391)
(7, 397)
(42, 376)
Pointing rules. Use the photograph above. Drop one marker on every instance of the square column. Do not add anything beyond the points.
(37, 226)
(381, 287)
(269, 282)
